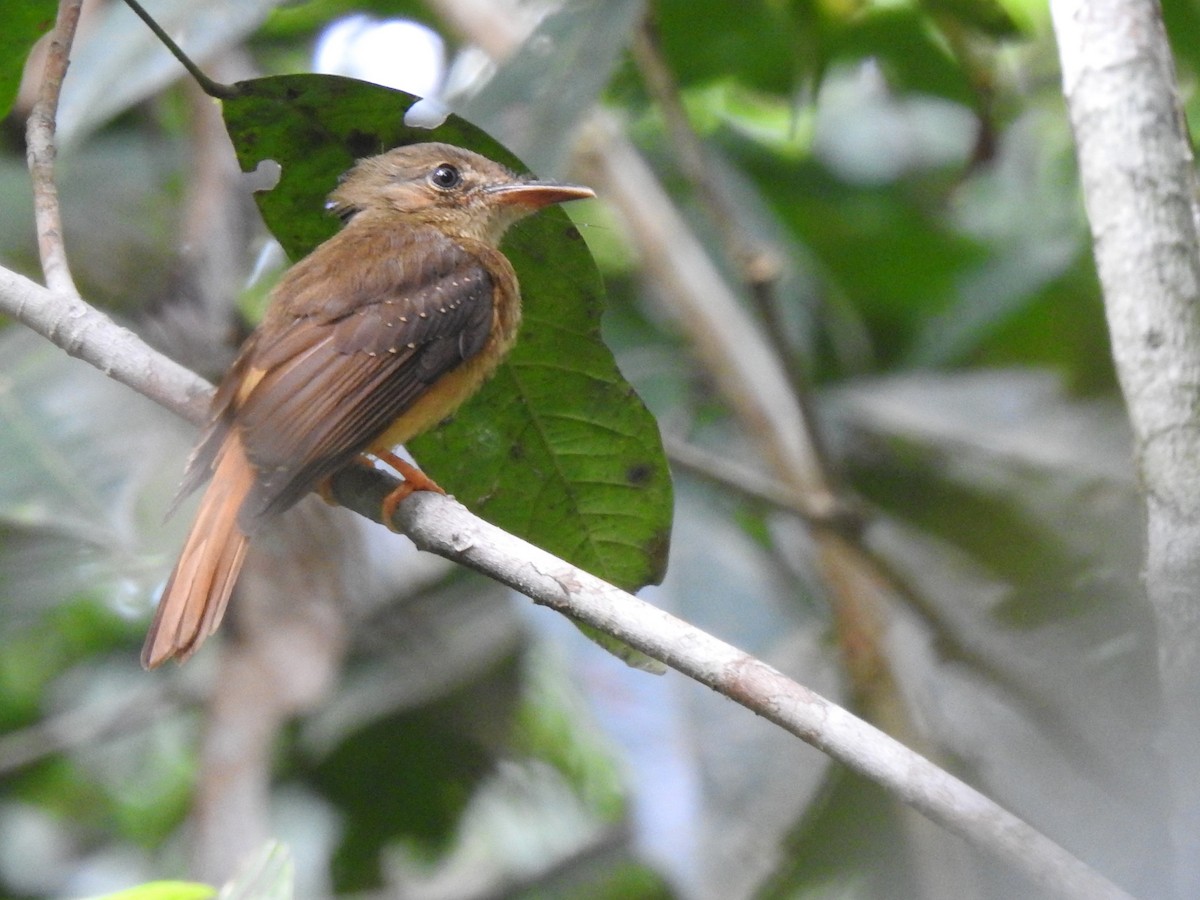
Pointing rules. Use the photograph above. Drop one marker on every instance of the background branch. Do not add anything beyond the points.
(91, 724)
(1140, 189)
(41, 153)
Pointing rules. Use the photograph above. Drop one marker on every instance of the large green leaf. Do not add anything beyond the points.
(557, 448)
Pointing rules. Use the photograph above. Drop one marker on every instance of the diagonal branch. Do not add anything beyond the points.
(442, 525)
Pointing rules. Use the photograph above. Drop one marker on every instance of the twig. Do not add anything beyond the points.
(40, 151)
(209, 86)
(720, 470)
(759, 265)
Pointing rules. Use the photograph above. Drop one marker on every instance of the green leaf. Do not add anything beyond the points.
(24, 23)
(557, 448)
(164, 890)
(763, 45)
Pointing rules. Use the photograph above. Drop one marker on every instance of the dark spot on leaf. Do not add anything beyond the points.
(293, 93)
(572, 234)
(516, 452)
(639, 474)
(361, 143)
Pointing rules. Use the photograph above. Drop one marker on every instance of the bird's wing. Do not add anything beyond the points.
(316, 390)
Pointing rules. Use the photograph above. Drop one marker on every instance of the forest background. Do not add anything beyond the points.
(848, 269)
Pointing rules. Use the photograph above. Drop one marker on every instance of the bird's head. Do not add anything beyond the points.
(459, 192)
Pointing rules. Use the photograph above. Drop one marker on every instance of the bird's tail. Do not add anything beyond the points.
(197, 593)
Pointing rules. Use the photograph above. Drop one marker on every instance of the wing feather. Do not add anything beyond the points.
(333, 381)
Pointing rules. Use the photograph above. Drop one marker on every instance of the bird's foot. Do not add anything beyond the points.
(414, 480)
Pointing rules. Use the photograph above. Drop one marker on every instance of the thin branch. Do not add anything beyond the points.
(720, 470)
(209, 86)
(41, 153)
(58, 313)
(759, 265)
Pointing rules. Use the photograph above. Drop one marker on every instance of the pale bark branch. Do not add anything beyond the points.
(1139, 187)
(58, 313)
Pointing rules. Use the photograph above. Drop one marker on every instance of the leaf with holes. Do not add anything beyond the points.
(557, 447)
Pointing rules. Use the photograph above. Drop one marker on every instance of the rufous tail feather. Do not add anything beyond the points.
(197, 592)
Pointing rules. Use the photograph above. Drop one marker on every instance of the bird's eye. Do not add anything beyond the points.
(445, 177)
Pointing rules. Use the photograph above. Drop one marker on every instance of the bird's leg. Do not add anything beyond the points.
(414, 480)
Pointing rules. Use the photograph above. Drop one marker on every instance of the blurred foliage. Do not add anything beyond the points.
(164, 890)
(908, 168)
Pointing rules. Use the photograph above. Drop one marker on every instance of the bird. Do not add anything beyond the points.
(376, 336)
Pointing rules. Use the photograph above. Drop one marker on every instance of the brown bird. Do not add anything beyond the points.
(376, 336)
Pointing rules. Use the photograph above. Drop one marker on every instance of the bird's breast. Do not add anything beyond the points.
(445, 395)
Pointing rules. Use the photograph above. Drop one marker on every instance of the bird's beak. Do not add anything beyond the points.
(532, 195)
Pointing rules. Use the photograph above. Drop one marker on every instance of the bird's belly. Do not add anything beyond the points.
(440, 401)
